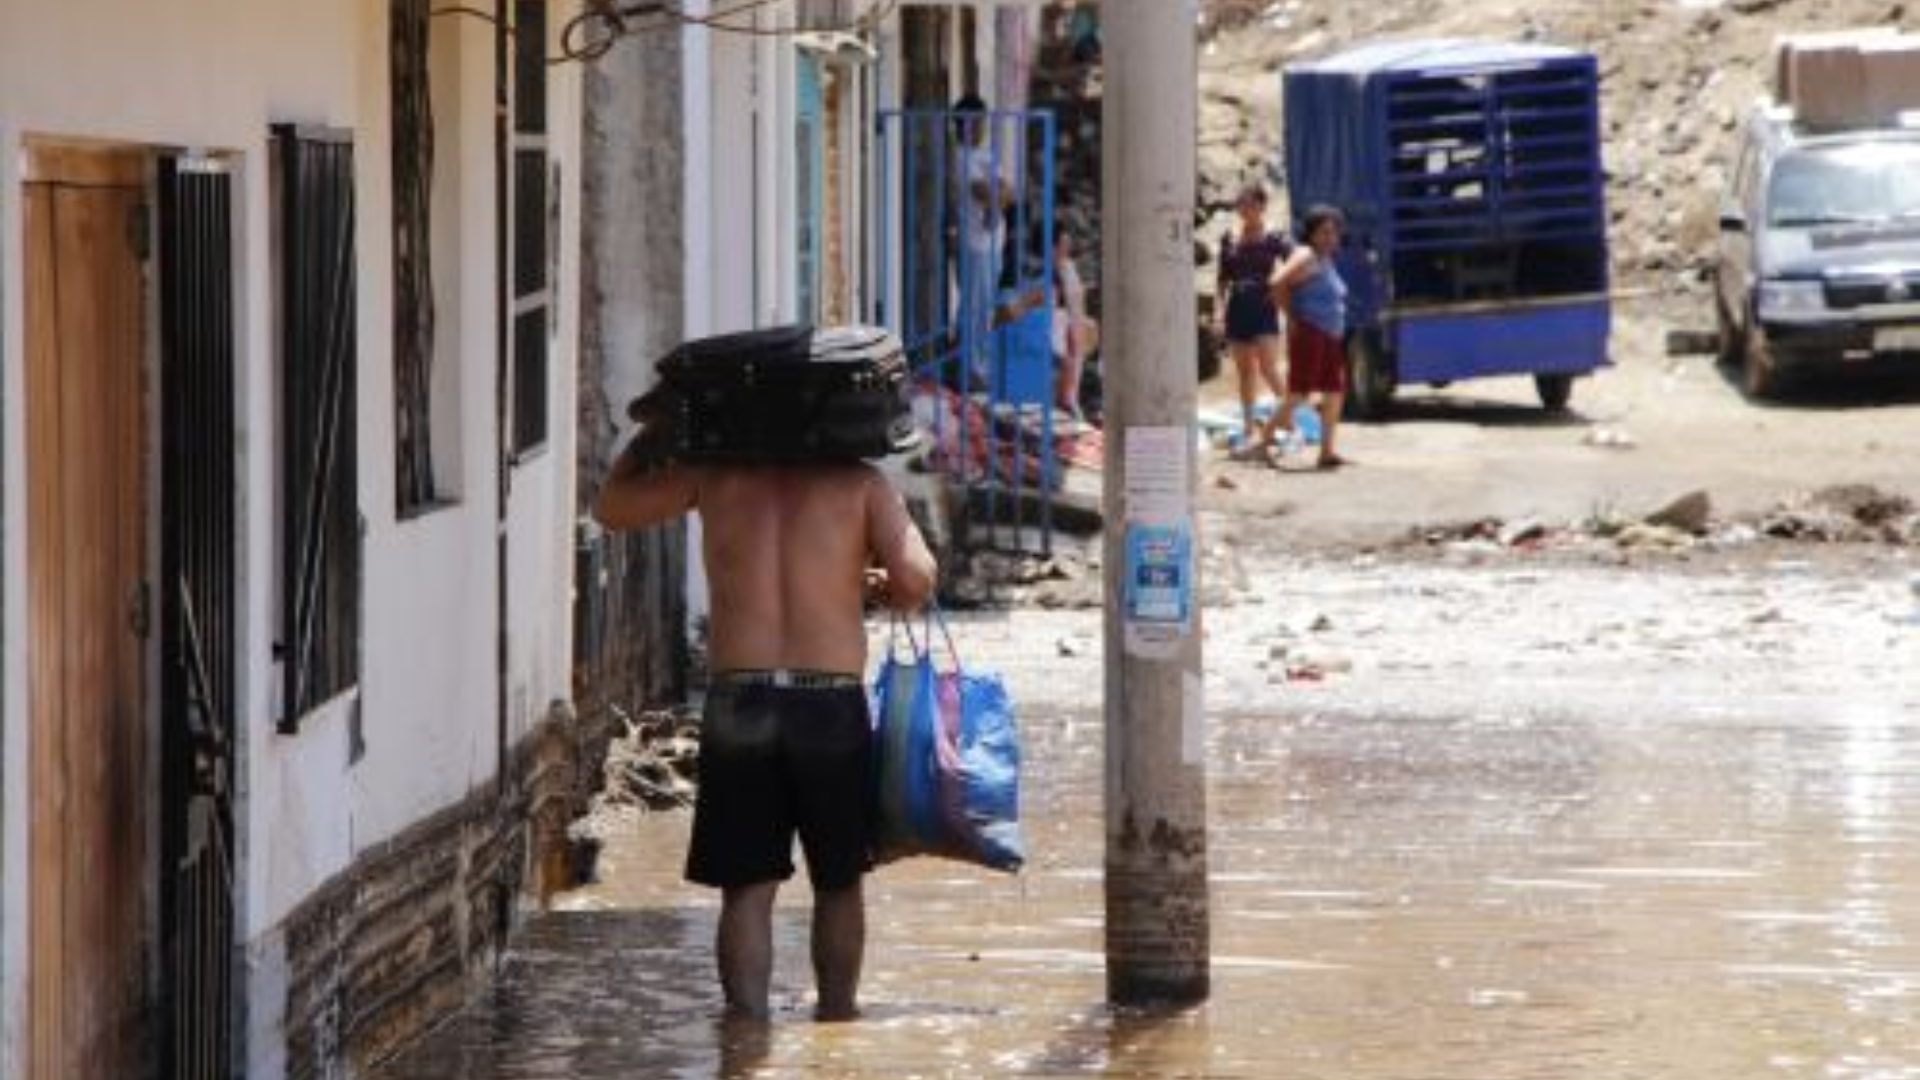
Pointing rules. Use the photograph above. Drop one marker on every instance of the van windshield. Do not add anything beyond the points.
(1866, 182)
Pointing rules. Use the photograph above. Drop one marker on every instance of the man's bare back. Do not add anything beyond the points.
(787, 551)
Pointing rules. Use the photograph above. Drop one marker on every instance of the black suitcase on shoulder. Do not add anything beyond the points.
(788, 394)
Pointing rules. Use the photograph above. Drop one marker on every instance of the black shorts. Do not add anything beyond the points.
(780, 761)
(1251, 315)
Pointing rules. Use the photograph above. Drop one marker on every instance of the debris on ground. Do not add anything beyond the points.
(1691, 513)
(1846, 514)
(653, 765)
(1609, 438)
(1067, 578)
(1649, 536)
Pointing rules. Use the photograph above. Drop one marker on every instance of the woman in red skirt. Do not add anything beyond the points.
(1309, 288)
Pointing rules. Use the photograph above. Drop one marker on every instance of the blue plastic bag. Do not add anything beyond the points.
(947, 761)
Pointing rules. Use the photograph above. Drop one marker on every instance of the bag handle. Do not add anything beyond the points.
(922, 644)
(935, 617)
(898, 625)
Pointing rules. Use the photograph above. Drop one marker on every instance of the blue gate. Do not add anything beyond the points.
(965, 230)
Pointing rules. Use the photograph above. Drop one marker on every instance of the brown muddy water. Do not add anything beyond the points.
(1688, 851)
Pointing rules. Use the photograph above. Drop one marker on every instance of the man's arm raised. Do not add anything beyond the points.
(636, 495)
(898, 548)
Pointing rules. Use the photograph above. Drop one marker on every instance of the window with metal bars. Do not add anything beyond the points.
(321, 526)
(531, 281)
(415, 489)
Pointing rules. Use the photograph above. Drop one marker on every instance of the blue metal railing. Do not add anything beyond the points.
(966, 282)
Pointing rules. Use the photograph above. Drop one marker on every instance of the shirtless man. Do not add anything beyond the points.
(786, 743)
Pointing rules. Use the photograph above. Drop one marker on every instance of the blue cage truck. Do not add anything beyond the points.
(1471, 178)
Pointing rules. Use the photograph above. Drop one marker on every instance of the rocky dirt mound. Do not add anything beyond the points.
(1677, 77)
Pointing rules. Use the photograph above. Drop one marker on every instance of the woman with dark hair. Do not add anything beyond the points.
(1314, 295)
(1248, 318)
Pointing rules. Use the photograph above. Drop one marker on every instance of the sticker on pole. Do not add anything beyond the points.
(1159, 592)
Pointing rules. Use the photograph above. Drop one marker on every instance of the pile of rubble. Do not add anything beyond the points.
(653, 766)
(1069, 578)
(1844, 514)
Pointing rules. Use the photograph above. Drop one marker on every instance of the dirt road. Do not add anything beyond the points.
(1648, 429)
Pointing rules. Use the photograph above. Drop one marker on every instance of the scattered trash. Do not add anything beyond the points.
(1524, 532)
(1306, 422)
(1646, 535)
(1738, 535)
(1610, 438)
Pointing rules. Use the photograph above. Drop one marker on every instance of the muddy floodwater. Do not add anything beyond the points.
(1466, 822)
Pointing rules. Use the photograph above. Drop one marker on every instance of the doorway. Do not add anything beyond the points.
(88, 508)
(132, 535)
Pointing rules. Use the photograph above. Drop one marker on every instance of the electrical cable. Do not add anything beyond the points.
(614, 20)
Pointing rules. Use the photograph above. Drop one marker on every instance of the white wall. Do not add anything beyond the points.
(541, 510)
(734, 240)
(699, 198)
(214, 74)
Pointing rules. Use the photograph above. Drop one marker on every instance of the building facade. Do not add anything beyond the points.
(289, 301)
(317, 323)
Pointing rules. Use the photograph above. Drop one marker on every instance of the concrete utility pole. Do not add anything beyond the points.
(1156, 807)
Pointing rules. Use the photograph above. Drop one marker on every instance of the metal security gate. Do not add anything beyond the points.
(197, 609)
(321, 553)
(966, 281)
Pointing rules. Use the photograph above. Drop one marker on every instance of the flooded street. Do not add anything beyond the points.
(1476, 822)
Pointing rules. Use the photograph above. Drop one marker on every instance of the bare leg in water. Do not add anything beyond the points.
(839, 942)
(744, 947)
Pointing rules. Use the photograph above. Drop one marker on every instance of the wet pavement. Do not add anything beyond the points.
(1518, 824)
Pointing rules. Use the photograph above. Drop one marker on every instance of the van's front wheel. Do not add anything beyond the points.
(1370, 377)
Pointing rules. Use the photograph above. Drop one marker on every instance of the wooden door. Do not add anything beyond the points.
(86, 558)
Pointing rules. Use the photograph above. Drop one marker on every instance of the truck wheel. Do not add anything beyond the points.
(1730, 345)
(1759, 378)
(1370, 378)
(1555, 391)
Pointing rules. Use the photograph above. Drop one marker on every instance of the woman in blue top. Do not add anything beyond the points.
(1309, 288)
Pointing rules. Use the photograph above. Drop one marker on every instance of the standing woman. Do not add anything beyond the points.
(1314, 295)
(1247, 262)
(1074, 331)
